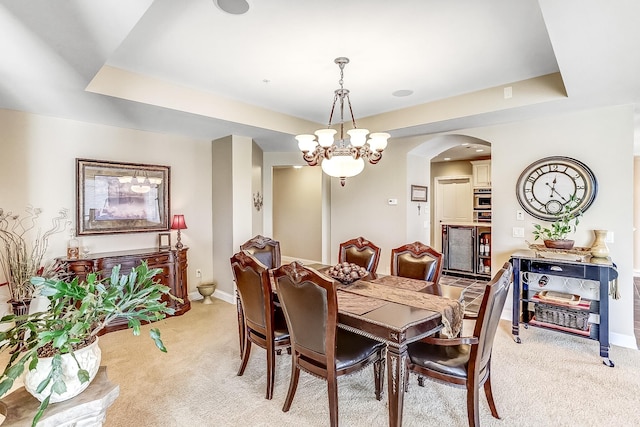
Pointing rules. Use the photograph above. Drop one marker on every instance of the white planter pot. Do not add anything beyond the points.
(89, 358)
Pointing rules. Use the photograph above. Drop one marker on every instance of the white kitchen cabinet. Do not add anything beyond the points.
(481, 173)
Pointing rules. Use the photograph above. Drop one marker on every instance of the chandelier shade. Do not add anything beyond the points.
(342, 166)
(344, 158)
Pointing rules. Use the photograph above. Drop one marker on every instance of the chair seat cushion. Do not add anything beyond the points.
(280, 331)
(449, 360)
(353, 348)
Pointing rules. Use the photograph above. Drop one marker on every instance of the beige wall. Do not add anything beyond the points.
(455, 168)
(232, 200)
(602, 138)
(222, 213)
(256, 185)
(37, 167)
(636, 216)
(361, 208)
(297, 213)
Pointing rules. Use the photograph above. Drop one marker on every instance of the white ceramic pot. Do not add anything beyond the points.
(89, 358)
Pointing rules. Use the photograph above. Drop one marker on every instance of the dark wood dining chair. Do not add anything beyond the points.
(318, 346)
(466, 361)
(416, 261)
(264, 323)
(265, 249)
(361, 252)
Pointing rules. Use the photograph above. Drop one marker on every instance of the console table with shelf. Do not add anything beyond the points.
(172, 262)
(525, 300)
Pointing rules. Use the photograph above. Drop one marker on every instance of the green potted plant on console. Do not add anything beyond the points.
(45, 341)
(566, 222)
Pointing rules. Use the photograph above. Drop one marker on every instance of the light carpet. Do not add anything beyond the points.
(550, 379)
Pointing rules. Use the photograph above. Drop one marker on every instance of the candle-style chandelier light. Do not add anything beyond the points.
(342, 159)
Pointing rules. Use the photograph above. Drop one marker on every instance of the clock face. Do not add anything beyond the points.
(547, 185)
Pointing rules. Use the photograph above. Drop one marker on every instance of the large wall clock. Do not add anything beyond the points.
(546, 186)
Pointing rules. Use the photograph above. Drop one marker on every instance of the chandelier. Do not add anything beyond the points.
(140, 183)
(342, 159)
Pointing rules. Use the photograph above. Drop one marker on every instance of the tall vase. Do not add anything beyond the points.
(599, 248)
(21, 307)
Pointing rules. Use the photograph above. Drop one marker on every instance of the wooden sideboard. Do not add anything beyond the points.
(172, 262)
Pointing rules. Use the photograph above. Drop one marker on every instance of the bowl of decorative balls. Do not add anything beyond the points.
(347, 272)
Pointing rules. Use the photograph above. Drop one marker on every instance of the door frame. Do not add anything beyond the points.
(436, 233)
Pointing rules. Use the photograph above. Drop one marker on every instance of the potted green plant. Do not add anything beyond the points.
(22, 249)
(566, 222)
(77, 312)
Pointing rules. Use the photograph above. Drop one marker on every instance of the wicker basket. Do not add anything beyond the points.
(562, 316)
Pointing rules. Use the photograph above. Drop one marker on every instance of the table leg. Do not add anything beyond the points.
(603, 332)
(516, 309)
(396, 382)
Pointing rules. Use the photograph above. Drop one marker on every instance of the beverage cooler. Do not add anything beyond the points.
(467, 249)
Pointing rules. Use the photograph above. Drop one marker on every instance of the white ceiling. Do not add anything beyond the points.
(189, 68)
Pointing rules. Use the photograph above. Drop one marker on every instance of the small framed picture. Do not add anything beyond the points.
(418, 193)
(164, 240)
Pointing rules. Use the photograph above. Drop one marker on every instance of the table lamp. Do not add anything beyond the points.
(178, 223)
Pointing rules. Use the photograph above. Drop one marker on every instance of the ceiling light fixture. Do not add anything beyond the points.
(234, 7)
(342, 160)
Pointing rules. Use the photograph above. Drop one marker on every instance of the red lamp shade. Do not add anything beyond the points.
(178, 223)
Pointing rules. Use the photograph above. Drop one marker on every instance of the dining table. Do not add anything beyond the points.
(396, 311)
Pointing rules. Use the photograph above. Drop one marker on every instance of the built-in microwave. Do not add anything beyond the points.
(481, 201)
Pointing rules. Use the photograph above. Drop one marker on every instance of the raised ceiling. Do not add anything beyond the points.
(187, 67)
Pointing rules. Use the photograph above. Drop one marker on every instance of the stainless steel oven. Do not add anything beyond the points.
(481, 201)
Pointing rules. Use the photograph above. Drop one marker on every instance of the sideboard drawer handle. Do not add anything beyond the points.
(555, 268)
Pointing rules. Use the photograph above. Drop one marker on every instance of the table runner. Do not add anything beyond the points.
(357, 304)
(402, 282)
(450, 310)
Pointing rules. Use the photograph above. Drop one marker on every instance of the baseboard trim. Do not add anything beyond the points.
(221, 295)
(621, 340)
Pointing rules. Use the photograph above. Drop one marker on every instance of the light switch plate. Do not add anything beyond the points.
(518, 231)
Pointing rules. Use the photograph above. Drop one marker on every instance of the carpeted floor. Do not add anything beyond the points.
(549, 379)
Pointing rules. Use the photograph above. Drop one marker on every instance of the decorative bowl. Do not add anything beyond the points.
(347, 272)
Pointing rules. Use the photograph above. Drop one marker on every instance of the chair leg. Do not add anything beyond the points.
(246, 351)
(293, 384)
(489, 393)
(241, 326)
(420, 380)
(378, 376)
(406, 377)
(472, 403)
(332, 387)
(271, 369)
